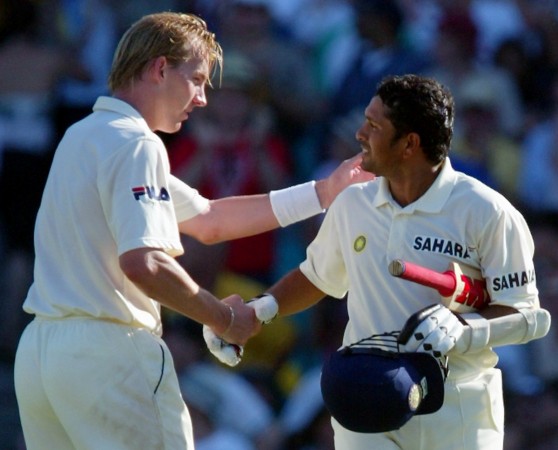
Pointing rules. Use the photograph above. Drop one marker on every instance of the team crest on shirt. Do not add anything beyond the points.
(147, 194)
(359, 244)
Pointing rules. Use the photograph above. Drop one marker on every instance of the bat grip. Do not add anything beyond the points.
(444, 282)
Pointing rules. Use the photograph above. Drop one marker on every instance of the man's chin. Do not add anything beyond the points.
(171, 129)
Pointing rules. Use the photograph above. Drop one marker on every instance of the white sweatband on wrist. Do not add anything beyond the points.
(295, 203)
(518, 328)
(265, 307)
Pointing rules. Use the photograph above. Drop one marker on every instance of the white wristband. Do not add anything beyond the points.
(295, 203)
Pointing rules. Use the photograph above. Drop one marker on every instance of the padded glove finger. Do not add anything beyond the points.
(437, 333)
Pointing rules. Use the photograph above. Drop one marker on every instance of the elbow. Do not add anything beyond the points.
(209, 237)
(206, 236)
(135, 265)
(206, 227)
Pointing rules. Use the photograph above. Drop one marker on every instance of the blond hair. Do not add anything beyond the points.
(177, 36)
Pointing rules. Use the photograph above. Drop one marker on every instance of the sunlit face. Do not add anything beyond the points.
(184, 90)
(381, 154)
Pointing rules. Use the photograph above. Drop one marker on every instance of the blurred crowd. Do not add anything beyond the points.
(296, 79)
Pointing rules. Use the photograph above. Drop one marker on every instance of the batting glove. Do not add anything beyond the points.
(434, 330)
(266, 308)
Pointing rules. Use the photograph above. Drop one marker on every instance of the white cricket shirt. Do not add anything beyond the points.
(458, 219)
(109, 191)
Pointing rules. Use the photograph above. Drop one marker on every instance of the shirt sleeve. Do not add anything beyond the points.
(134, 189)
(187, 201)
(506, 253)
(324, 265)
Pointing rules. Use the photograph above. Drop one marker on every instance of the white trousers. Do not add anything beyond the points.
(90, 384)
(471, 418)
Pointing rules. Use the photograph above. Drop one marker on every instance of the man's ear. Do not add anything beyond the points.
(412, 144)
(157, 68)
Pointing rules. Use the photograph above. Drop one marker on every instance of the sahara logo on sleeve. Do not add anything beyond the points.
(513, 280)
(150, 194)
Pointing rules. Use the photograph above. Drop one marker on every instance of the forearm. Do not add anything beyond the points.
(295, 293)
(161, 278)
(236, 217)
(232, 218)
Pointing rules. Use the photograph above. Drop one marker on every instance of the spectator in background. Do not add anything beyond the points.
(531, 376)
(288, 85)
(545, 235)
(214, 394)
(203, 402)
(531, 58)
(305, 421)
(88, 31)
(496, 21)
(455, 64)
(29, 70)
(381, 50)
(340, 143)
(232, 147)
(538, 182)
(421, 18)
(482, 149)
(325, 28)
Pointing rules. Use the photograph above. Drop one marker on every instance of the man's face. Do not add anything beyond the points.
(381, 154)
(183, 90)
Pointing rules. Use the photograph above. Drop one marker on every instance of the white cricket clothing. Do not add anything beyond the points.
(458, 219)
(187, 201)
(92, 384)
(91, 370)
(108, 192)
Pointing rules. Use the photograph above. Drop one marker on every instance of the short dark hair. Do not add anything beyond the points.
(420, 105)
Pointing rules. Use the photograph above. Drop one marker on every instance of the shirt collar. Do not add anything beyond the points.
(432, 201)
(116, 105)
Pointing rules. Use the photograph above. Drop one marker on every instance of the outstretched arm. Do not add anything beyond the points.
(236, 217)
(160, 277)
(295, 293)
(291, 294)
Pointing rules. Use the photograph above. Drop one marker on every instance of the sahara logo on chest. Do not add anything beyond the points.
(442, 246)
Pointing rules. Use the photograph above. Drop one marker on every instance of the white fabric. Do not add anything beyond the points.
(131, 398)
(187, 201)
(457, 219)
(107, 193)
(295, 203)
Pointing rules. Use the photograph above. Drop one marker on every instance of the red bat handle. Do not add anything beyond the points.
(444, 282)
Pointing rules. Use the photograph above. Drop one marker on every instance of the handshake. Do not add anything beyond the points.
(265, 307)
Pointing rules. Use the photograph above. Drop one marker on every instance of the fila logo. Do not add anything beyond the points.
(146, 193)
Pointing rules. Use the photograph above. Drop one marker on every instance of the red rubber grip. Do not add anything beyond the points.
(444, 282)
